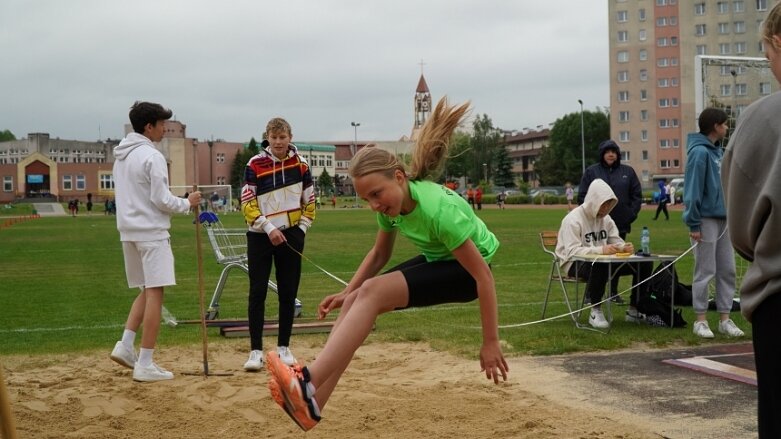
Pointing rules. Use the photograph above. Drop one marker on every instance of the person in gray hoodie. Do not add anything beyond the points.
(706, 217)
(751, 173)
(144, 207)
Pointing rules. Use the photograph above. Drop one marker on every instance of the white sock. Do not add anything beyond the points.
(310, 390)
(316, 407)
(145, 357)
(129, 338)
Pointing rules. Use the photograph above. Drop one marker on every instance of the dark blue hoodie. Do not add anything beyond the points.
(624, 182)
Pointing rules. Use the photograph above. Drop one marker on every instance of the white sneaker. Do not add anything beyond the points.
(701, 329)
(124, 356)
(286, 356)
(597, 319)
(255, 361)
(151, 373)
(728, 327)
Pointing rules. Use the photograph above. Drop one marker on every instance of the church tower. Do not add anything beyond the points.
(422, 105)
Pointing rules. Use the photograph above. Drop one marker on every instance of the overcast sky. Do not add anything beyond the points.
(73, 68)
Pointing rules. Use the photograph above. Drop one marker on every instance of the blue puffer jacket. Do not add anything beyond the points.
(624, 182)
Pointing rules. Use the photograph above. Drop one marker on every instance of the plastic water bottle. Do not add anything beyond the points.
(645, 241)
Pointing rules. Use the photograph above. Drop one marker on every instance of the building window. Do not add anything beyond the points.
(662, 62)
(664, 144)
(661, 2)
(674, 123)
(106, 182)
(664, 123)
(764, 88)
(623, 76)
(722, 7)
(761, 5)
(623, 116)
(661, 42)
(622, 56)
(724, 48)
(641, 14)
(643, 95)
(741, 48)
(661, 21)
(674, 102)
(8, 183)
(676, 163)
(664, 103)
(699, 9)
(623, 36)
(741, 89)
(67, 183)
(739, 6)
(643, 75)
(622, 16)
(723, 28)
(81, 182)
(740, 27)
(623, 136)
(673, 41)
(623, 96)
(641, 35)
(702, 49)
(673, 20)
(663, 82)
(643, 115)
(674, 61)
(673, 82)
(644, 135)
(664, 164)
(625, 156)
(645, 155)
(699, 30)
(643, 55)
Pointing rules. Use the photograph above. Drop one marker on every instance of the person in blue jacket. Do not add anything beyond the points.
(663, 199)
(623, 180)
(706, 217)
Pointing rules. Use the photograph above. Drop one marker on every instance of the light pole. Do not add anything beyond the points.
(582, 139)
(355, 126)
(485, 172)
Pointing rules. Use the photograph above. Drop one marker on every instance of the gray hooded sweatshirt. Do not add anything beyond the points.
(751, 178)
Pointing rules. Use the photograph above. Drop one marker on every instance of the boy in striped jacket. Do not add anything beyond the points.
(278, 203)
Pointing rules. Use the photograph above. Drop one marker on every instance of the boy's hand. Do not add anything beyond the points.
(194, 198)
(277, 237)
(492, 362)
(628, 248)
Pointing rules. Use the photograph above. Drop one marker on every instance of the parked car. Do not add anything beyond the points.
(534, 193)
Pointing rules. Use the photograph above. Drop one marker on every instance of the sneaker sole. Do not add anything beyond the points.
(290, 392)
(151, 380)
(121, 361)
(279, 397)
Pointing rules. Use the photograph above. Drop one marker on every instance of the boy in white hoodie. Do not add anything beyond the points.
(589, 230)
(144, 207)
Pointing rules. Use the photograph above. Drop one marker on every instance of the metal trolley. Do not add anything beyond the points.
(230, 250)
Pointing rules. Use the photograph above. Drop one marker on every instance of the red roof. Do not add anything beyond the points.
(422, 86)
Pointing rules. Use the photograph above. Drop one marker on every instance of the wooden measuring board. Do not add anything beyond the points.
(271, 327)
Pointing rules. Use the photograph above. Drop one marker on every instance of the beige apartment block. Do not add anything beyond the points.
(653, 45)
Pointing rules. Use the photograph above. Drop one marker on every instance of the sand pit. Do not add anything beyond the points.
(389, 391)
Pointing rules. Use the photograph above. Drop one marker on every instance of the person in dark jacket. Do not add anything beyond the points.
(623, 180)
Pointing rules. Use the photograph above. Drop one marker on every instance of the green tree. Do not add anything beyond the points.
(324, 182)
(562, 160)
(484, 141)
(6, 135)
(503, 176)
(459, 156)
(240, 164)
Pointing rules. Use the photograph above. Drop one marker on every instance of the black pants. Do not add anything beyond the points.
(614, 281)
(597, 275)
(662, 208)
(287, 263)
(767, 355)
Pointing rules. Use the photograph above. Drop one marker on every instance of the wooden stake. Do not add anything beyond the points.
(7, 425)
(198, 246)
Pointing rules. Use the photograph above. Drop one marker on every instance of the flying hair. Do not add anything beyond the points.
(772, 24)
(429, 152)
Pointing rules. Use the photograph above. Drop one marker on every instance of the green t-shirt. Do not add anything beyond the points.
(440, 223)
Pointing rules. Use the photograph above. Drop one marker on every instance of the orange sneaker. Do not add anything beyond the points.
(287, 387)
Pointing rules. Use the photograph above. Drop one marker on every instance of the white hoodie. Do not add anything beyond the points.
(581, 232)
(144, 202)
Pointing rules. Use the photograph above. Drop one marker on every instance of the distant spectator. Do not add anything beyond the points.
(479, 198)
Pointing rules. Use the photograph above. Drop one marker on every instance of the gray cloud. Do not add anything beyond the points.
(73, 67)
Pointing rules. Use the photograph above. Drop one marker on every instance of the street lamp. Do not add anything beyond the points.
(582, 138)
(355, 126)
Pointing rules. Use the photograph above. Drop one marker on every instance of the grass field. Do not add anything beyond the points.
(63, 288)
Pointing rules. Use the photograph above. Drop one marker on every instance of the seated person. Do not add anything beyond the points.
(589, 230)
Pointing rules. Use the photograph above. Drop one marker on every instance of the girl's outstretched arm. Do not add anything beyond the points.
(491, 358)
(378, 256)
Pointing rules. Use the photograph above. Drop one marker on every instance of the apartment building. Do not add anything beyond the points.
(653, 86)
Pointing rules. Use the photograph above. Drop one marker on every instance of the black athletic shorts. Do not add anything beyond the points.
(433, 283)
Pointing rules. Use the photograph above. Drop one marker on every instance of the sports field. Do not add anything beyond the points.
(64, 300)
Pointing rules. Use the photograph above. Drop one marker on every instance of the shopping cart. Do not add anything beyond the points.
(230, 250)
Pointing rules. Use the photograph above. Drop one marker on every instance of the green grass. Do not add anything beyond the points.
(61, 273)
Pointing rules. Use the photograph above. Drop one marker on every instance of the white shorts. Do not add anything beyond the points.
(149, 264)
